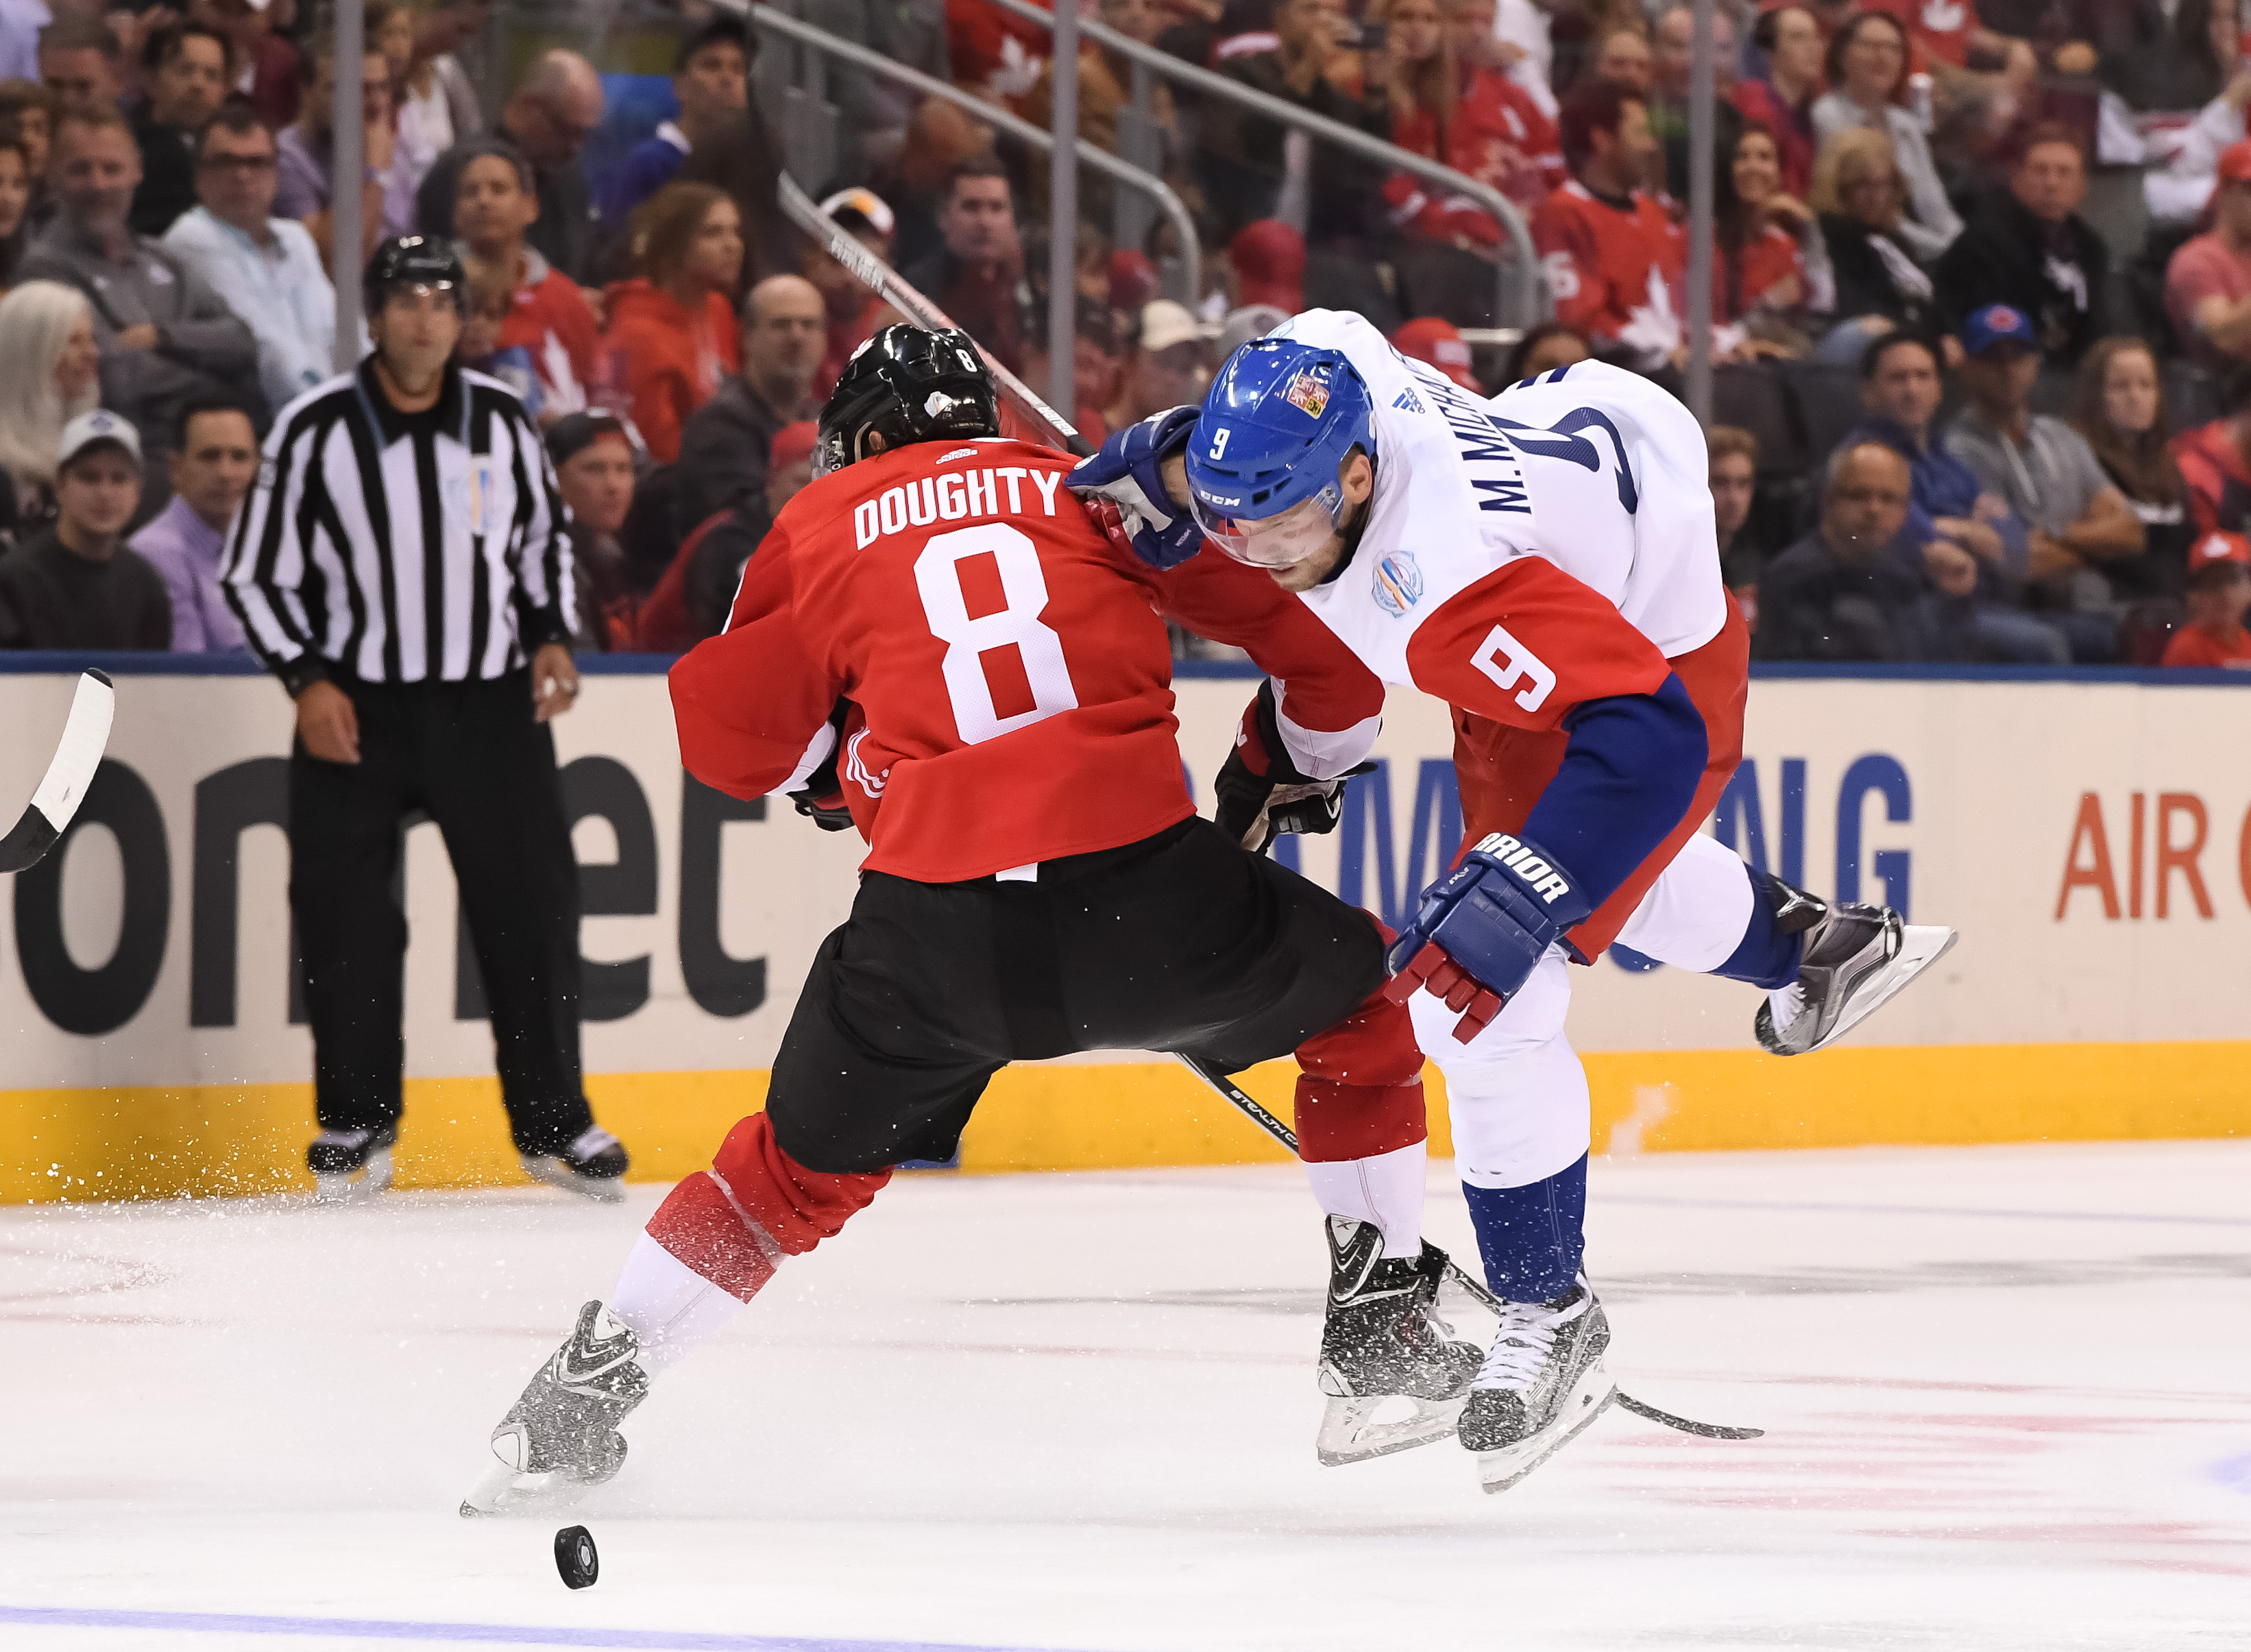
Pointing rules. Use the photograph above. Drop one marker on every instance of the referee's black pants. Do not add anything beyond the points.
(471, 756)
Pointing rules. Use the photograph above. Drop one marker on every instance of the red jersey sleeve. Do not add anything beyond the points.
(1572, 260)
(1526, 644)
(750, 703)
(1329, 705)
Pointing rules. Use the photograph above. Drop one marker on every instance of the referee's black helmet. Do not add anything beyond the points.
(414, 260)
(907, 384)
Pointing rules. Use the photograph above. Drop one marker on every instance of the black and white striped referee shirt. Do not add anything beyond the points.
(401, 547)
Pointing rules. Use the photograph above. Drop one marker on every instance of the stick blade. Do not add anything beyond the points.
(76, 760)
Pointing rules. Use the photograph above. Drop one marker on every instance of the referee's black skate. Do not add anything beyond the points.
(1383, 1345)
(1544, 1381)
(1857, 958)
(594, 1166)
(350, 1165)
(561, 1436)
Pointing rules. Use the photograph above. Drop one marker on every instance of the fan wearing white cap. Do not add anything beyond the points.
(1169, 362)
(76, 585)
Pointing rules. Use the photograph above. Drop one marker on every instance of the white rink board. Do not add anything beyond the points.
(1990, 777)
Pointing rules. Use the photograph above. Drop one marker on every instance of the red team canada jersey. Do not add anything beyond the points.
(1611, 266)
(1011, 664)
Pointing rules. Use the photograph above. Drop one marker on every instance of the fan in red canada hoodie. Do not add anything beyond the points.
(665, 359)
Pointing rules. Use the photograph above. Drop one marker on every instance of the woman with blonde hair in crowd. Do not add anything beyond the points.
(1875, 284)
(2121, 411)
(672, 338)
(1868, 66)
(52, 374)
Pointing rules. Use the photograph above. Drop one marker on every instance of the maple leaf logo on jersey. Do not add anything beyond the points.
(1408, 402)
(1308, 395)
(1944, 16)
(1397, 584)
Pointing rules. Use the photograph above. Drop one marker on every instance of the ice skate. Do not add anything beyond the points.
(350, 1165)
(1543, 1382)
(561, 1436)
(1857, 957)
(1383, 1345)
(593, 1167)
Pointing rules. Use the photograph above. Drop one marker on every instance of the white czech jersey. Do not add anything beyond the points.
(1594, 468)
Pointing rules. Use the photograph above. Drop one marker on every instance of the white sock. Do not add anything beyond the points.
(667, 1304)
(1386, 1190)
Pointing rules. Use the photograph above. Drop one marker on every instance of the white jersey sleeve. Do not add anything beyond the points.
(1591, 468)
(1621, 496)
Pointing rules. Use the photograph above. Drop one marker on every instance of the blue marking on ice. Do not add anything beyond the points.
(484, 1633)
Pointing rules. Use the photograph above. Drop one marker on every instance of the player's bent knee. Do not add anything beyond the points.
(796, 1205)
(1521, 1121)
(1337, 1122)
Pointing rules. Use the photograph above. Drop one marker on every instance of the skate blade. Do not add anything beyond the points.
(1589, 1396)
(502, 1492)
(1921, 945)
(1350, 1433)
(353, 1190)
(602, 1190)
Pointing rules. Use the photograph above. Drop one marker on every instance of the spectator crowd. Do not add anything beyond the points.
(1981, 282)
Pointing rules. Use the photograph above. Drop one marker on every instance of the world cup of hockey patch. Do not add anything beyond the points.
(1307, 395)
(1397, 584)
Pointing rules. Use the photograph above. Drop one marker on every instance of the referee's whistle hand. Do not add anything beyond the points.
(327, 724)
(554, 682)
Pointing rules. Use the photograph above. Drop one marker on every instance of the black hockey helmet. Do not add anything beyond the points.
(413, 260)
(907, 384)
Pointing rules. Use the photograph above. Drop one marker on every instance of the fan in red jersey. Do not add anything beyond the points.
(1610, 253)
(1038, 881)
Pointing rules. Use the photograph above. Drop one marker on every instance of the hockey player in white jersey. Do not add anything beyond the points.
(1395, 502)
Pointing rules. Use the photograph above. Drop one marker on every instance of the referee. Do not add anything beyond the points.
(401, 565)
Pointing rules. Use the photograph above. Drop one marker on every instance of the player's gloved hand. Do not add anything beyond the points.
(821, 798)
(1127, 472)
(1262, 794)
(1482, 929)
(826, 809)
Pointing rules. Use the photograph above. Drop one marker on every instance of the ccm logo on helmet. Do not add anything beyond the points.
(1544, 881)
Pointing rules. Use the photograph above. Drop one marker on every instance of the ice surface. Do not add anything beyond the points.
(2006, 1390)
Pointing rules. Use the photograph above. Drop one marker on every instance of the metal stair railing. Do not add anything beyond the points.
(1521, 293)
(809, 129)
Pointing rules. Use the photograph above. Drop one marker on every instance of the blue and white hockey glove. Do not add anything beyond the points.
(1126, 471)
(1482, 929)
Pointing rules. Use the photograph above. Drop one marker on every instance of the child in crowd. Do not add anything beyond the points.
(2218, 596)
(491, 297)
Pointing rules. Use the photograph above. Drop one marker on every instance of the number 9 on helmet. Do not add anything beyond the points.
(1264, 466)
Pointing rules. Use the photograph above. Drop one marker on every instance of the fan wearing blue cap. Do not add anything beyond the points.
(2078, 521)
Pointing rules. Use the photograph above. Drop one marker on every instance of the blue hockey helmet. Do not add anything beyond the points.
(1273, 434)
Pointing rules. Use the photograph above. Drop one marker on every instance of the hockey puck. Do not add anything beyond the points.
(575, 1557)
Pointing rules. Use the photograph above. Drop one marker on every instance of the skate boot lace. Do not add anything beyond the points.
(1520, 1346)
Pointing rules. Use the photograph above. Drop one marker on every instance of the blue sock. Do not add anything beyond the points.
(1532, 1237)
(1766, 956)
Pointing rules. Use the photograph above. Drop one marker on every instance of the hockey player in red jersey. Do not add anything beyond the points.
(1038, 882)
(1407, 514)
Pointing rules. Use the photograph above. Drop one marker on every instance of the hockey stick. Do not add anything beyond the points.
(78, 754)
(1235, 1096)
(890, 285)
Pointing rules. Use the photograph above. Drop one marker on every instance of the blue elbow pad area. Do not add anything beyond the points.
(1628, 776)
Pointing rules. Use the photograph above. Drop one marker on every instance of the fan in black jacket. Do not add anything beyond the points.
(2028, 248)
